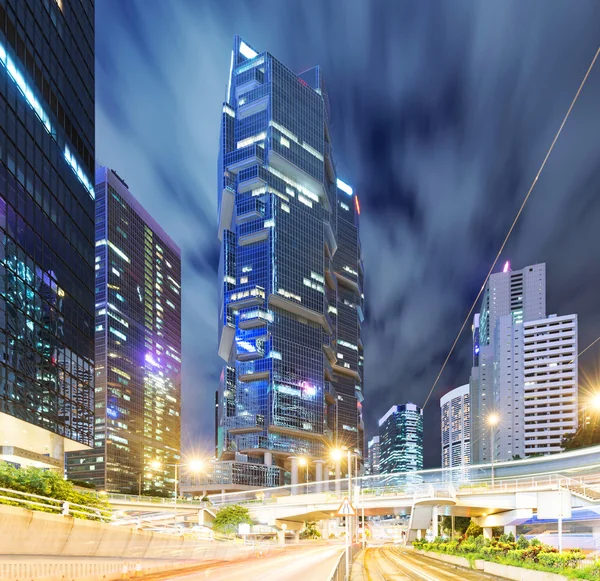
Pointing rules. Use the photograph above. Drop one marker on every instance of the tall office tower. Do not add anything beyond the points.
(456, 427)
(138, 347)
(290, 272)
(401, 439)
(521, 296)
(550, 396)
(47, 230)
(374, 455)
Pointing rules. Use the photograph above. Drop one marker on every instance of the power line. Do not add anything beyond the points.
(590, 345)
(512, 227)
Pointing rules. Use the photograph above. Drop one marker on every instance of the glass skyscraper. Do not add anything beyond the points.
(138, 347)
(401, 439)
(290, 271)
(46, 229)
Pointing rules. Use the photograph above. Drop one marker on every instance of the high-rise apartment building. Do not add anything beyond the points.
(550, 382)
(290, 272)
(138, 347)
(401, 439)
(374, 455)
(47, 230)
(456, 427)
(510, 324)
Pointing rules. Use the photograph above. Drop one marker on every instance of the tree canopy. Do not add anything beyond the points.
(229, 517)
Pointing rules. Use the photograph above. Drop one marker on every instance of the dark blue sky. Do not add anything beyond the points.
(442, 113)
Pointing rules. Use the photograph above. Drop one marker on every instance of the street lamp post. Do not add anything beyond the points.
(492, 421)
(193, 466)
(304, 462)
(337, 454)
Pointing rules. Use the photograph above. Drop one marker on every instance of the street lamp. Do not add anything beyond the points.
(193, 466)
(492, 421)
(302, 461)
(336, 455)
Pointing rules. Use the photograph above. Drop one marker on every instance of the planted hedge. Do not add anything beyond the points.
(519, 553)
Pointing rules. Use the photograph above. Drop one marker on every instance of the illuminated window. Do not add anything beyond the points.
(250, 140)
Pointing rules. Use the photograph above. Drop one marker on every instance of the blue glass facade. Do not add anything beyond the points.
(46, 229)
(289, 255)
(401, 439)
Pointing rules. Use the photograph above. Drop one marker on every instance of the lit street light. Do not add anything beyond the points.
(337, 454)
(304, 462)
(492, 421)
(195, 465)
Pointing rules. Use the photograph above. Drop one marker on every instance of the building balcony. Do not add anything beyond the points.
(330, 277)
(247, 354)
(249, 179)
(330, 393)
(252, 209)
(255, 318)
(244, 157)
(248, 80)
(330, 241)
(251, 297)
(328, 369)
(254, 370)
(328, 348)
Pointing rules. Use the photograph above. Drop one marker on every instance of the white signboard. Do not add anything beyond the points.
(244, 529)
(554, 504)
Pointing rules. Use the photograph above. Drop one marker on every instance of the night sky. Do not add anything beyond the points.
(442, 113)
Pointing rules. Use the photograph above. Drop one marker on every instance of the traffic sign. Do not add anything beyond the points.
(346, 509)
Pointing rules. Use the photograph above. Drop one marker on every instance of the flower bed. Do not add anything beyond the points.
(520, 553)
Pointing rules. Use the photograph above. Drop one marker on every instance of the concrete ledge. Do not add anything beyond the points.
(520, 573)
(497, 569)
(451, 559)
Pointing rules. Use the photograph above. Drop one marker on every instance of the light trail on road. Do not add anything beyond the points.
(396, 564)
(315, 564)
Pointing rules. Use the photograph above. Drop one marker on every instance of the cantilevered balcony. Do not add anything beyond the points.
(244, 157)
(248, 352)
(330, 393)
(251, 209)
(249, 297)
(258, 370)
(248, 80)
(250, 178)
(255, 318)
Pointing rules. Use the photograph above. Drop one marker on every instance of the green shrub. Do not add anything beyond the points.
(46, 483)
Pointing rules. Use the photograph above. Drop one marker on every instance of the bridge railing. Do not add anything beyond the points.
(48, 504)
(577, 469)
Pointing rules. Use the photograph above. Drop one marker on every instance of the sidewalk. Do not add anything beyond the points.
(357, 571)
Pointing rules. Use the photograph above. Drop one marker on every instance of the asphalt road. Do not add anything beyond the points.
(309, 564)
(390, 563)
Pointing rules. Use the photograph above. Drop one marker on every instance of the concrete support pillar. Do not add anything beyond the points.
(318, 475)
(281, 538)
(297, 537)
(419, 534)
(510, 529)
(338, 477)
(294, 473)
(325, 529)
(56, 447)
(487, 533)
(435, 522)
(326, 478)
(268, 458)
